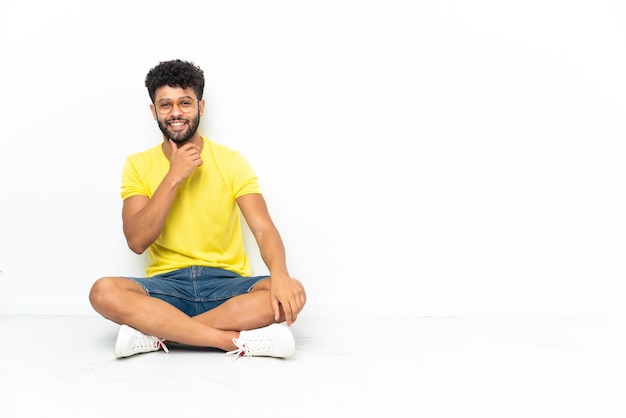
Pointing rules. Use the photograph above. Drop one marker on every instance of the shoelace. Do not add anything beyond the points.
(163, 346)
(242, 350)
(148, 341)
(261, 345)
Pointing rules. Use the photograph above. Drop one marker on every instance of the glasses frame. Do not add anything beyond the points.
(173, 102)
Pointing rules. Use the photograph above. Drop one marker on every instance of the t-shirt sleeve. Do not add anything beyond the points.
(132, 185)
(244, 179)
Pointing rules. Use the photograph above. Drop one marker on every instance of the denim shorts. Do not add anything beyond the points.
(195, 290)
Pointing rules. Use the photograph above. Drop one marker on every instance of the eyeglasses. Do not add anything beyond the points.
(185, 105)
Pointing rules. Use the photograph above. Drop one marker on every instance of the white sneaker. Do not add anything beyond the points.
(130, 342)
(274, 340)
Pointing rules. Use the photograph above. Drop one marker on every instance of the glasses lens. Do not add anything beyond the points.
(185, 105)
(165, 106)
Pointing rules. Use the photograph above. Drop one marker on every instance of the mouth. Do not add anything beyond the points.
(177, 124)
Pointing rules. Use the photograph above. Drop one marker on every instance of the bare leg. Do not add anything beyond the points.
(248, 311)
(123, 301)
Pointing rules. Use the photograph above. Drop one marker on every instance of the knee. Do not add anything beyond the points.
(101, 293)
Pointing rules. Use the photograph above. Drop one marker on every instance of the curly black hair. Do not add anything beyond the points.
(175, 73)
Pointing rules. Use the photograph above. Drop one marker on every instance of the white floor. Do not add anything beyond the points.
(63, 366)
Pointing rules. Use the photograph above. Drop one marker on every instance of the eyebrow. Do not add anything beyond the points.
(182, 97)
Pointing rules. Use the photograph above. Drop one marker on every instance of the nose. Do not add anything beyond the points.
(176, 110)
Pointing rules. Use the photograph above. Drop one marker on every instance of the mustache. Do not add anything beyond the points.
(176, 120)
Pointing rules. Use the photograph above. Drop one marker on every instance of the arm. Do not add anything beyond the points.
(143, 218)
(285, 291)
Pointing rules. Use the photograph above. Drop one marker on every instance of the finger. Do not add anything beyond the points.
(276, 308)
(289, 314)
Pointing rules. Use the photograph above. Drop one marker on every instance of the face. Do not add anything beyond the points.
(180, 122)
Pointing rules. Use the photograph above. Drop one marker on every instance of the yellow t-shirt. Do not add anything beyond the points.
(203, 227)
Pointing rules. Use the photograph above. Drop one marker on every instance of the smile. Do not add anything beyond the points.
(177, 124)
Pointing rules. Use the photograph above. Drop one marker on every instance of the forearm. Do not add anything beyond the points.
(287, 294)
(272, 252)
(144, 226)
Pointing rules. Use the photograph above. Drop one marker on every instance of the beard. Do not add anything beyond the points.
(180, 137)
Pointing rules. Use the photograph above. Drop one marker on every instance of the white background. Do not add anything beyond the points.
(418, 157)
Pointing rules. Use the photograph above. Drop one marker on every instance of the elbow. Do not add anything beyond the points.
(135, 242)
(137, 250)
(136, 247)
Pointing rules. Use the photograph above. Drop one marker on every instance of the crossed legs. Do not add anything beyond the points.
(125, 302)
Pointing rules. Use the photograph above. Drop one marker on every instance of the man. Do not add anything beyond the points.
(182, 202)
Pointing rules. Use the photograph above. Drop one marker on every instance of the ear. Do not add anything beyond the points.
(153, 109)
(201, 107)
